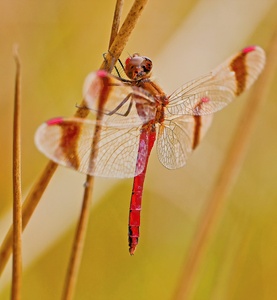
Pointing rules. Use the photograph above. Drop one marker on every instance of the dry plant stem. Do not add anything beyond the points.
(227, 177)
(39, 187)
(78, 244)
(118, 45)
(123, 35)
(77, 249)
(29, 206)
(17, 221)
(116, 20)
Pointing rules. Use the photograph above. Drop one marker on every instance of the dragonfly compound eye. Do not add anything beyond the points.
(147, 64)
(137, 67)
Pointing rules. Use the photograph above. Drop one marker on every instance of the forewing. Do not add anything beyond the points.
(118, 101)
(69, 142)
(210, 93)
(178, 137)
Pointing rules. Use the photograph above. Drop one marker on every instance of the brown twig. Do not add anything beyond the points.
(118, 45)
(29, 206)
(227, 177)
(116, 20)
(79, 238)
(17, 221)
(78, 244)
(123, 35)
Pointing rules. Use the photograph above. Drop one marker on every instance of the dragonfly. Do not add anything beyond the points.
(132, 114)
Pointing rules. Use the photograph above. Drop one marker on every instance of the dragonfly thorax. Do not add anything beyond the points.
(138, 67)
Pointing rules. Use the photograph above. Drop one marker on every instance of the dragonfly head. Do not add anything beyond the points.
(138, 67)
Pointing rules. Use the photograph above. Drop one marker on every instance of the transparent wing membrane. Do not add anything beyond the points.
(69, 142)
(117, 100)
(178, 137)
(212, 92)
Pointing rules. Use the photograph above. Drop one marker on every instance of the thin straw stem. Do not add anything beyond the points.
(118, 45)
(78, 244)
(17, 221)
(116, 20)
(227, 177)
(123, 35)
(29, 206)
(79, 238)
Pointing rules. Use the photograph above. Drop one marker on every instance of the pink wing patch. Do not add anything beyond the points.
(249, 49)
(54, 121)
(205, 99)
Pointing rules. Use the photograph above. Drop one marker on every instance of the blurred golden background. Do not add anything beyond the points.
(60, 42)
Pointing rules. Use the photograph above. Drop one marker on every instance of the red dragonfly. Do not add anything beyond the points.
(132, 114)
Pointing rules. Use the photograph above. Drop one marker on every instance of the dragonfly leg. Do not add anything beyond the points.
(121, 104)
(106, 62)
(117, 71)
(114, 111)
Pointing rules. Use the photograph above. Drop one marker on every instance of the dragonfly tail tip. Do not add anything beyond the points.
(132, 250)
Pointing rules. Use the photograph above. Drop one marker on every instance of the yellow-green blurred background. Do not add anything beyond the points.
(60, 42)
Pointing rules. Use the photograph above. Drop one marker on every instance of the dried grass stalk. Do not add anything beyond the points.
(17, 209)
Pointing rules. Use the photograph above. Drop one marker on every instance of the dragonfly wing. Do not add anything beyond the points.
(119, 101)
(70, 142)
(214, 91)
(178, 137)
